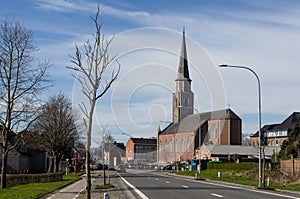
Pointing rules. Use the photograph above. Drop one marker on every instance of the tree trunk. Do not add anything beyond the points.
(88, 175)
(50, 165)
(3, 169)
(54, 164)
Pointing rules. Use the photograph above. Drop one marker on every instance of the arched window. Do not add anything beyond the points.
(189, 144)
(183, 145)
(160, 147)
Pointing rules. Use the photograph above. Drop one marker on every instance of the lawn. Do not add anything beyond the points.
(239, 176)
(35, 190)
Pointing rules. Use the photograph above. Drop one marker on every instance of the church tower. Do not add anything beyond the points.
(183, 98)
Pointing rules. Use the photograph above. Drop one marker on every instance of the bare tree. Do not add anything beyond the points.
(22, 79)
(56, 129)
(91, 76)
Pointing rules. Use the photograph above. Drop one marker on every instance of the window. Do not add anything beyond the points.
(189, 144)
(183, 145)
(216, 133)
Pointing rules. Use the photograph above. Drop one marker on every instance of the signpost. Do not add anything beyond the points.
(75, 158)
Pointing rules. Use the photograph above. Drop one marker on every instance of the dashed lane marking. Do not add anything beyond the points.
(217, 195)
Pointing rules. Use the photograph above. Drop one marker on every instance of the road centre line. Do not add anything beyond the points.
(217, 195)
(229, 186)
(143, 196)
(184, 186)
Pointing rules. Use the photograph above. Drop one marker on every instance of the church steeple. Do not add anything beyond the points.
(183, 69)
(183, 98)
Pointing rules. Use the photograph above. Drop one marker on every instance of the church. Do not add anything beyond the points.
(183, 139)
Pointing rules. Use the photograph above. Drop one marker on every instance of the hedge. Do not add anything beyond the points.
(14, 179)
(235, 166)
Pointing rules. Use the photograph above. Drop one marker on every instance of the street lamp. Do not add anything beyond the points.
(259, 115)
(199, 131)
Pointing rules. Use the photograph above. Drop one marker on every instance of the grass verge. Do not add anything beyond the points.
(239, 177)
(35, 190)
(106, 186)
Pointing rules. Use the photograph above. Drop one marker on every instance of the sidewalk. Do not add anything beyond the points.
(120, 191)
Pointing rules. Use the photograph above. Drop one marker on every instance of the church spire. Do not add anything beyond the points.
(183, 69)
(183, 98)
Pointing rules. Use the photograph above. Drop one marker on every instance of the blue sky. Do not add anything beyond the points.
(264, 35)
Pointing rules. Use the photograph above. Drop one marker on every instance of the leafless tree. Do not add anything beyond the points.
(56, 129)
(94, 81)
(22, 79)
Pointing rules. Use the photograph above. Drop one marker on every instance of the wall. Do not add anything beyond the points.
(290, 167)
(184, 151)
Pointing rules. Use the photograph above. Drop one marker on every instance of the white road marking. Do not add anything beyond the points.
(143, 196)
(231, 186)
(156, 178)
(167, 182)
(217, 195)
(184, 186)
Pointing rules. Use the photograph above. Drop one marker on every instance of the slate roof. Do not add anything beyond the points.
(141, 141)
(192, 122)
(290, 122)
(183, 69)
(221, 150)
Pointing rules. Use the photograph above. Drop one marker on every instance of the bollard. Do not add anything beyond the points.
(106, 196)
(219, 174)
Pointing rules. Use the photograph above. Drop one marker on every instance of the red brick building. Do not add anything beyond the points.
(141, 150)
(180, 140)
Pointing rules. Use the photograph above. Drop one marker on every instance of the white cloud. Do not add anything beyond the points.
(267, 41)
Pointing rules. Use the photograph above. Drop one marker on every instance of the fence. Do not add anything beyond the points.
(290, 167)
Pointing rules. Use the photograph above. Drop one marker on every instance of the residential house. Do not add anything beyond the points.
(275, 134)
(114, 154)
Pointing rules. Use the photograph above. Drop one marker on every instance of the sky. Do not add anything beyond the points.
(263, 35)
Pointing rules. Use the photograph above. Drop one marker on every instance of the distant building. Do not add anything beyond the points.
(180, 140)
(226, 153)
(277, 133)
(141, 150)
(114, 154)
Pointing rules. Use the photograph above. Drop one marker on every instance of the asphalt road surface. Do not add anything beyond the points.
(154, 185)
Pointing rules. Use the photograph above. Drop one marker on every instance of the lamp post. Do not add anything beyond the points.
(199, 132)
(259, 116)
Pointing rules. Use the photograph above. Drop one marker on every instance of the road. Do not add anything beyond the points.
(155, 185)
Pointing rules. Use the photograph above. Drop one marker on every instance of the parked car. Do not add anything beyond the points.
(121, 168)
(100, 167)
(167, 167)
